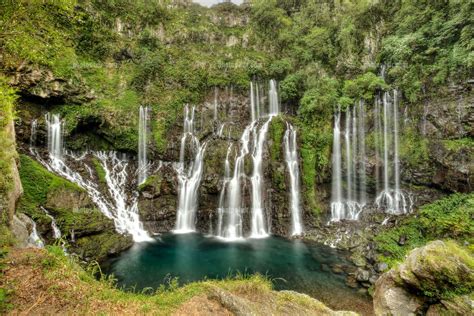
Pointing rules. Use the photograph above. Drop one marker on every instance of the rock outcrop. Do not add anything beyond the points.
(436, 279)
(36, 82)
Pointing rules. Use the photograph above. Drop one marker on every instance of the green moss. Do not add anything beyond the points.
(7, 146)
(37, 182)
(99, 170)
(276, 132)
(100, 246)
(414, 149)
(450, 217)
(459, 144)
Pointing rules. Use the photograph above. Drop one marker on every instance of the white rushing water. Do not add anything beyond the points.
(349, 198)
(258, 224)
(119, 206)
(337, 205)
(252, 142)
(392, 199)
(54, 226)
(189, 177)
(291, 158)
(231, 207)
(55, 137)
(142, 144)
(274, 102)
(34, 238)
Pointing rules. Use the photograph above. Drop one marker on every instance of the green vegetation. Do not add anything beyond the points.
(37, 183)
(95, 234)
(414, 148)
(449, 218)
(459, 144)
(99, 170)
(130, 53)
(7, 146)
(65, 280)
(326, 55)
(448, 282)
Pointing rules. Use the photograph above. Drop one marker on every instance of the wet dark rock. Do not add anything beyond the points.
(351, 281)
(402, 240)
(337, 268)
(373, 279)
(381, 267)
(362, 275)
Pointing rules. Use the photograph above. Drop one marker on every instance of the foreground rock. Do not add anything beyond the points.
(436, 279)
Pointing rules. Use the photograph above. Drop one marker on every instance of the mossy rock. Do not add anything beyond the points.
(75, 214)
(100, 246)
(440, 270)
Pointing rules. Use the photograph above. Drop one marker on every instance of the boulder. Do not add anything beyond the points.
(437, 278)
(362, 275)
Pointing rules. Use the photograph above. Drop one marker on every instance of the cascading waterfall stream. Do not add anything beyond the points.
(142, 145)
(350, 205)
(189, 178)
(337, 205)
(34, 238)
(392, 199)
(125, 206)
(122, 208)
(291, 157)
(386, 139)
(258, 224)
(252, 143)
(231, 220)
(54, 226)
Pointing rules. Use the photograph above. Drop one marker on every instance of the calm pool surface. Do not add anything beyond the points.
(291, 264)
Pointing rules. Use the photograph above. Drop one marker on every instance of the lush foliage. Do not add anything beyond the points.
(7, 146)
(325, 54)
(37, 183)
(449, 218)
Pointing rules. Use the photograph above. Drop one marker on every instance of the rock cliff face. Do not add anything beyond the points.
(447, 125)
(437, 279)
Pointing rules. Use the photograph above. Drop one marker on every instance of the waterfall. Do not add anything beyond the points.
(125, 207)
(231, 223)
(392, 199)
(189, 178)
(251, 143)
(377, 140)
(119, 206)
(227, 178)
(34, 238)
(337, 206)
(362, 156)
(54, 225)
(258, 224)
(142, 145)
(350, 205)
(34, 127)
(55, 136)
(291, 157)
(274, 107)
